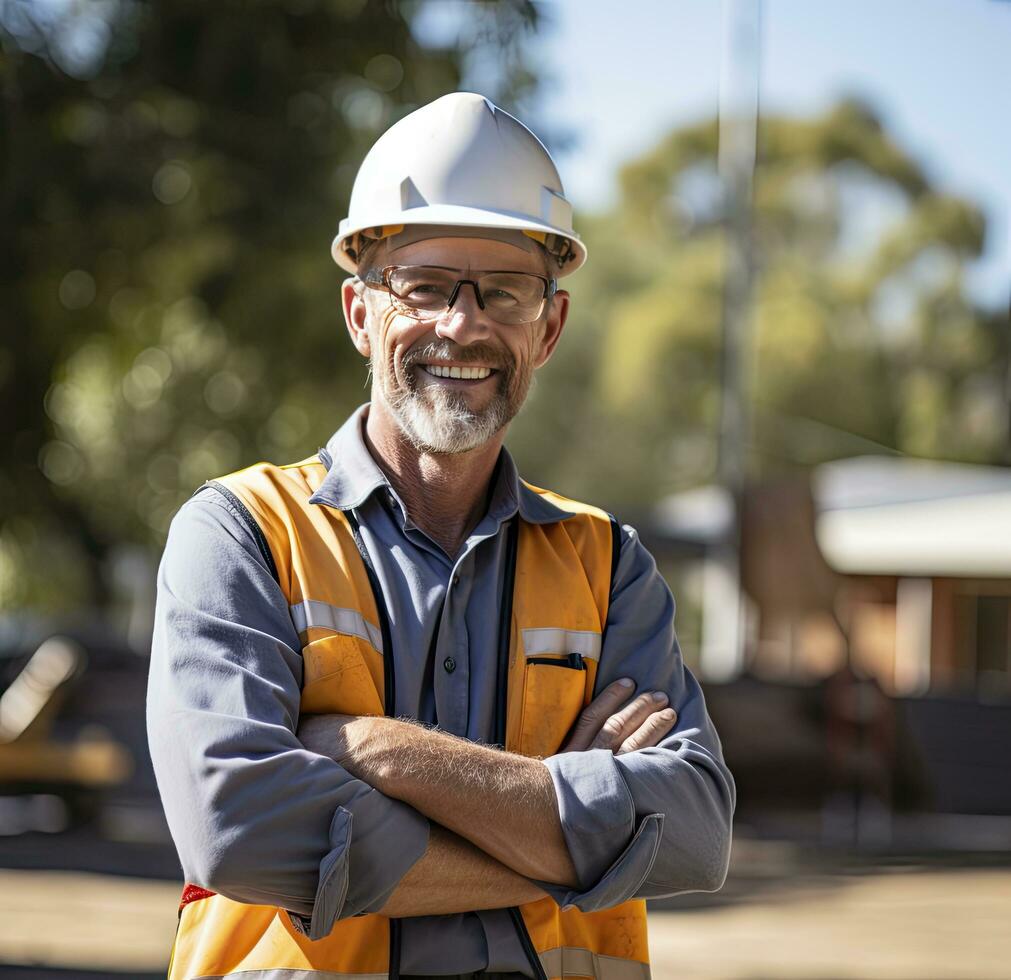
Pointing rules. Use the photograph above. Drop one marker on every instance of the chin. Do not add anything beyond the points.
(450, 429)
(451, 436)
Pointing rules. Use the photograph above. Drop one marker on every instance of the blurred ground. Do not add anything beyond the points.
(786, 912)
(839, 917)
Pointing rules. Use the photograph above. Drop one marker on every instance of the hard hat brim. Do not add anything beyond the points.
(458, 216)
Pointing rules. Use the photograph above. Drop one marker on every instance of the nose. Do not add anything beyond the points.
(464, 322)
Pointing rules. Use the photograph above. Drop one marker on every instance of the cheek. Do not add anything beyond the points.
(526, 350)
(395, 335)
(383, 335)
(386, 334)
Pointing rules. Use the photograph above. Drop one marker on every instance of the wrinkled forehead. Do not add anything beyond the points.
(464, 247)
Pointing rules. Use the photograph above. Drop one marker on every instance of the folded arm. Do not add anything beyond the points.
(455, 876)
(503, 803)
(254, 815)
(634, 806)
(656, 821)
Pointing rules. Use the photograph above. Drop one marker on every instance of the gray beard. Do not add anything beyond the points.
(435, 420)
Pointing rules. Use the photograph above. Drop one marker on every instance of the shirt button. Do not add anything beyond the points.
(450, 664)
(456, 581)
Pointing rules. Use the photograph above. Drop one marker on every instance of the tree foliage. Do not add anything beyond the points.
(172, 177)
(862, 338)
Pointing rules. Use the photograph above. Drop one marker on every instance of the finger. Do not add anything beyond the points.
(650, 732)
(621, 724)
(597, 712)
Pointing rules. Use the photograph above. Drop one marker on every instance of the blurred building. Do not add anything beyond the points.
(899, 567)
(878, 595)
(924, 550)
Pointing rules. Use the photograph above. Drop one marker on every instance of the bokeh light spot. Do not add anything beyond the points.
(224, 392)
(364, 109)
(385, 72)
(172, 182)
(77, 289)
(142, 386)
(60, 463)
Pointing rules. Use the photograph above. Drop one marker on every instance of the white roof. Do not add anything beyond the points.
(703, 515)
(898, 516)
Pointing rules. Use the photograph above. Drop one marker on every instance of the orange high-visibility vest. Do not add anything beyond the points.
(561, 575)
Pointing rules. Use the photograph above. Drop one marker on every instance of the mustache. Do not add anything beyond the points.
(446, 350)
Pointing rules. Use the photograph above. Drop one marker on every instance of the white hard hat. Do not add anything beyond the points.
(459, 161)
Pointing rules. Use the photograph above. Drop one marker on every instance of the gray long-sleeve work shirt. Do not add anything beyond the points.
(259, 819)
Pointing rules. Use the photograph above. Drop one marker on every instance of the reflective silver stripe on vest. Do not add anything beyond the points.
(583, 642)
(282, 974)
(351, 622)
(572, 961)
(563, 961)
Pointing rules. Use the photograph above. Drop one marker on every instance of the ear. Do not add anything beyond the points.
(353, 302)
(558, 313)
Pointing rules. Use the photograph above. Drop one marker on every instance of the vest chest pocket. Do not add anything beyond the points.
(342, 675)
(554, 689)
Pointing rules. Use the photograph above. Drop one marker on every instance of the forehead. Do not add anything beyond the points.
(467, 254)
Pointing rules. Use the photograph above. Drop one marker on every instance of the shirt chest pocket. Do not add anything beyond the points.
(558, 675)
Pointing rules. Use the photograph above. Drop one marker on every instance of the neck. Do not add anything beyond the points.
(446, 494)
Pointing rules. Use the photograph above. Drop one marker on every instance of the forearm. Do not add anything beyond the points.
(455, 876)
(503, 803)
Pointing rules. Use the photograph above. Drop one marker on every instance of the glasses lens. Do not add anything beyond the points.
(422, 289)
(512, 297)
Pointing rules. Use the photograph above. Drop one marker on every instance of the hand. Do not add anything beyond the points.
(604, 724)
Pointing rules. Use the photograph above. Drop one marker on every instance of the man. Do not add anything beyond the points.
(316, 621)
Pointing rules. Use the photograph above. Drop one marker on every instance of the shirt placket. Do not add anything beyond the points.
(452, 662)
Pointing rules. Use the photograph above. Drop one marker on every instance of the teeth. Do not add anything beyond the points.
(466, 373)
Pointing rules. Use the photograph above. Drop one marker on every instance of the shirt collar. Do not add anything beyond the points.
(354, 476)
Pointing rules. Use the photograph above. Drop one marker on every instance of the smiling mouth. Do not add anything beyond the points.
(457, 372)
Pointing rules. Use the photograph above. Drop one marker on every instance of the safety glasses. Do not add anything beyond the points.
(428, 291)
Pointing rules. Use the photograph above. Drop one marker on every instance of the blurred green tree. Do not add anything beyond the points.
(172, 177)
(863, 339)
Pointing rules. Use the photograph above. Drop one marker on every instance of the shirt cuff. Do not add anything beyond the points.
(611, 855)
(360, 871)
(623, 879)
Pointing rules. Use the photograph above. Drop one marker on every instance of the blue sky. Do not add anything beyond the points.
(938, 72)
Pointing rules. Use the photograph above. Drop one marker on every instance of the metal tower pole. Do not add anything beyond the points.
(724, 626)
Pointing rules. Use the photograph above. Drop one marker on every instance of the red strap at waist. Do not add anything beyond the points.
(193, 893)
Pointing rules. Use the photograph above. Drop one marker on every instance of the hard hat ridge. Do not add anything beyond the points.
(460, 161)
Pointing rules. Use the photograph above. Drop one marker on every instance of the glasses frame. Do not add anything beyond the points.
(380, 279)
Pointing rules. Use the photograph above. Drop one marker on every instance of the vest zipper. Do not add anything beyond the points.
(394, 973)
(389, 691)
(505, 624)
(501, 705)
(389, 680)
(528, 944)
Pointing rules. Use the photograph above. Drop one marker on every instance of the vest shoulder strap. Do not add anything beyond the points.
(299, 535)
(567, 503)
(595, 526)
